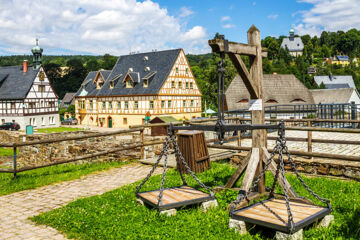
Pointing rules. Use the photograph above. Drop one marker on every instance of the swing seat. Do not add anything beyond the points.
(174, 197)
(272, 213)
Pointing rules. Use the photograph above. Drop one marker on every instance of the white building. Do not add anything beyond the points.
(26, 95)
(293, 44)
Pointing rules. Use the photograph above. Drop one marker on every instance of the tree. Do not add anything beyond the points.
(92, 65)
(109, 62)
(53, 72)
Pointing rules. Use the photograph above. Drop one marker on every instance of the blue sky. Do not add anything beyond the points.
(122, 26)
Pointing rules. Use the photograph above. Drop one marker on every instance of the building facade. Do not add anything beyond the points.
(155, 83)
(26, 95)
(293, 44)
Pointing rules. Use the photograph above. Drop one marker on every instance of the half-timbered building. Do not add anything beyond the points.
(157, 83)
(26, 95)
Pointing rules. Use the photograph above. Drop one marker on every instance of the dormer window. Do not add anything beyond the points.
(130, 69)
(147, 69)
(244, 100)
(129, 83)
(297, 100)
(146, 83)
(111, 84)
(146, 58)
(271, 101)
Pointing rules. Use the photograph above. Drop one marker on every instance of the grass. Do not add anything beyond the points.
(115, 214)
(48, 175)
(5, 152)
(58, 129)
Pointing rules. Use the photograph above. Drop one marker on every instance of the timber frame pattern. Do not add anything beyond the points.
(253, 80)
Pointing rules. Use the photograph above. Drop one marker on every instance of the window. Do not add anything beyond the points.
(244, 100)
(42, 121)
(192, 103)
(136, 105)
(191, 85)
(162, 104)
(12, 106)
(104, 105)
(81, 104)
(125, 121)
(146, 83)
(177, 70)
(173, 84)
(180, 84)
(126, 104)
(186, 71)
(151, 104)
(91, 104)
(52, 104)
(41, 103)
(297, 100)
(41, 88)
(119, 105)
(169, 104)
(184, 103)
(271, 101)
(110, 105)
(129, 84)
(111, 84)
(187, 85)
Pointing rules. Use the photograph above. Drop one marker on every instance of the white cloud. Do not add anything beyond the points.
(273, 16)
(228, 25)
(329, 15)
(184, 12)
(97, 27)
(225, 18)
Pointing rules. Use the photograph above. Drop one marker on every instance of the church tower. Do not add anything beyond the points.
(37, 55)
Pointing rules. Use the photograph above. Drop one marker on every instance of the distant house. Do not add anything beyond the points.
(338, 59)
(159, 83)
(67, 100)
(329, 96)
(26, 95)
(335, 82)
(279, 89)
(293, 44)
(311, 70)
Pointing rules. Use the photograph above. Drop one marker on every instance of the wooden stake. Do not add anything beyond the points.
(239, 171)
(251, 169)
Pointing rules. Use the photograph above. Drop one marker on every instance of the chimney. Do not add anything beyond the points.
(25, 66)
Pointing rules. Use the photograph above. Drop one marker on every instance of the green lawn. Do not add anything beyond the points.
(115, 214)
(58, 129)
(48, 175)
(6, 151)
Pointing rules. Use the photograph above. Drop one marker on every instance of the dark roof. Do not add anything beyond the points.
(68, 98)
(331, 79)
(160, 62)
(293, 44)
(14, 84)
(88, 84)
(165, 119)
(342, 58)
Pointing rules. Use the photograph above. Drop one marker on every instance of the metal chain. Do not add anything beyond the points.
(188, 168)
(177, 157)
(323, 200)
(282, 171)
(241, 196)
(163, 177)
(166, 146)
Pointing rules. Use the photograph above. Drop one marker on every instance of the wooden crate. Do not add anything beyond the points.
(192, 145)
(175, 197)
(273, 214)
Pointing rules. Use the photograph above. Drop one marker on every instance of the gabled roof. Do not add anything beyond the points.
(293, 44)
(332, 95)
(278, 89)
(337, 85)
(335, 80)
(160, 62)
(342, 58)
(89, 86)
(165, 119)
(15, 84)
(68, 99)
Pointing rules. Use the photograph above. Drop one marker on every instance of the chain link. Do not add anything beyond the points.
(163, 177)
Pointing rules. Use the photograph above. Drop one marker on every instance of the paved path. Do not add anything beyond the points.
(343, 149)
(16, 208)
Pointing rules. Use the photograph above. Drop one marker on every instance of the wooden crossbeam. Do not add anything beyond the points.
(239, 171)
(251, 169)
(218, 45)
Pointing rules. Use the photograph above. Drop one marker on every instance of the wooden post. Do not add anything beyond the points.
(239, 140)
(257, 116)
(309, 139)
(142, 143)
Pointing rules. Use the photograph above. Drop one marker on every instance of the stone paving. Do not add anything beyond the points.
(351, 150)
(16, 208)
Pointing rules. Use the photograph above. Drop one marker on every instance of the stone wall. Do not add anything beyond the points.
(40, 154)
(325, 167)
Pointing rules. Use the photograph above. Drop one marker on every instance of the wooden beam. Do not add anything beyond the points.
(218, 45)
(251, 169)
(239, 171)
(244, 74)
(272, 168)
